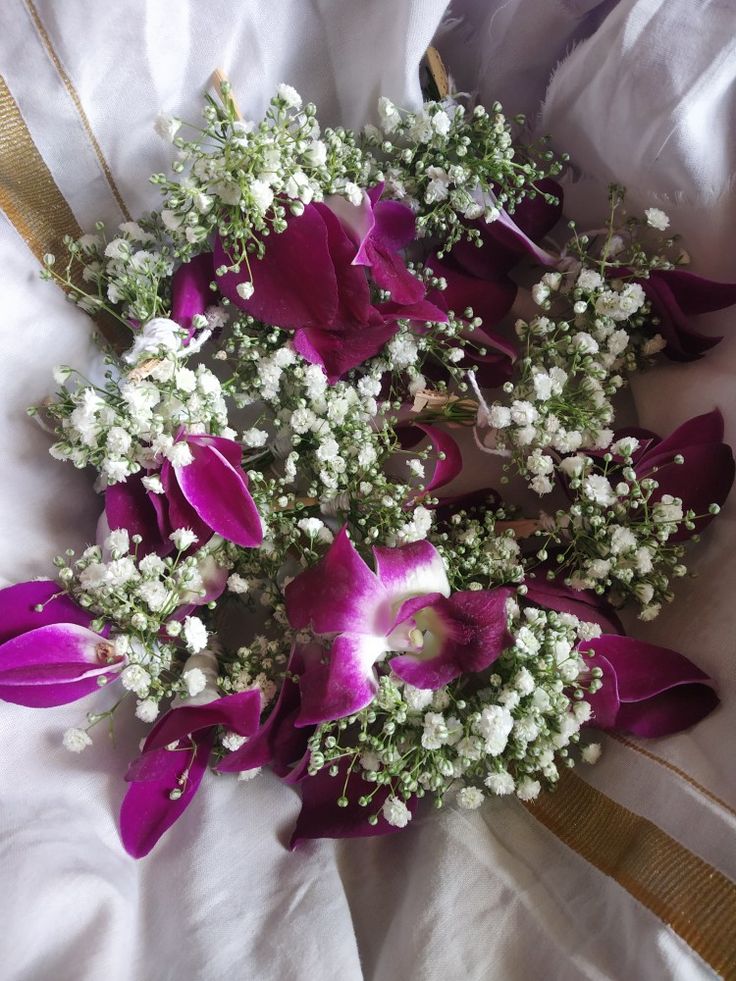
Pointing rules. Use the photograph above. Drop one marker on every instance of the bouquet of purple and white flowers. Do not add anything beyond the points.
(284, 575)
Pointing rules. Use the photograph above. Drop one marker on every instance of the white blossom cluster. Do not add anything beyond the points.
(443, 161)
(461, 743)
(133, 421)
(613, 539)
(258, 175)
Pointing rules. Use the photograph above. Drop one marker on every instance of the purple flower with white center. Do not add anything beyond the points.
(326, 296)
(167, 774)
(48, 653)
(647, 690)
(403, 609)
(208, 495)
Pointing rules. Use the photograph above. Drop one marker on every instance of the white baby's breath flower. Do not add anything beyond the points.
(289, 95)
(396, 812)
(656, 218)
(237, 584)
(183, 538)
(245, 290)
(76, 740)
(194, 679)
(167, 126)
(469, 798)
(135, 678)
(147, 710)
(195, 634)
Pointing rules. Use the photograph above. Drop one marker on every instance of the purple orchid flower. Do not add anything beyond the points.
(48, 653)
(677, 295)
(404, 608)
(209, 495)
(326, 298)
(704, 477)
(167, 774)
(647, 690)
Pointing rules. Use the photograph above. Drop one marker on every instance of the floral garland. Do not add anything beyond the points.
(280, 577)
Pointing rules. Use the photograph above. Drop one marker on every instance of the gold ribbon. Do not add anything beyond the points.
(28, 193)
(692, 897)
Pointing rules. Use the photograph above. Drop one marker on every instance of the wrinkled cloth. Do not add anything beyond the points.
(637, 90)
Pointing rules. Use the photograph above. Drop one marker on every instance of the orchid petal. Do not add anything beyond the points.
(218, 492)
(660, 691)
(128, 505)
(307, 294)
(339, 351)
(190, 290)
(340, 681)
(277, 743)
(18, 604)
(465, 633)
(445, 469)
(321, 817)
(696, 294)
(490, 299)
(338, 593)
(586, 605)
(54, 665)
(706, 428)
(148, 810)
(411, 570)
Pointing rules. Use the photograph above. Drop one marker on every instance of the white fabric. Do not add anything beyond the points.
(644, 96)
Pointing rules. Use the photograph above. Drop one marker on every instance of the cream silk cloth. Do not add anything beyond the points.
(640, 91)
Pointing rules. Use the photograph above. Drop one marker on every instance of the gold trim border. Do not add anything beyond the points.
(692, 897)
(29, 195)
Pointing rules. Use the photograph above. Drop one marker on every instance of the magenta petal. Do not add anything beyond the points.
(490, 299)
(705, 478)
(190, 290)
(307, 294)
(338, 593)
(17, 613)
(339, 351)
(411, 570)
(395, 226)
(320, 816)
(277, 743)
(683, 342)
(340, 681)
(54, 665)
(470, 631)
(583, 604)
(696, 294)
(707, 428)
(605, 702)
(240, 712)
(445, 470)
(219, 494)
(660, 690)
(354, 295)
(390, 273)
(128, 505)
(148, 810)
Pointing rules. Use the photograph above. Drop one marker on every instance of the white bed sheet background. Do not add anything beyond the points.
(646, 95)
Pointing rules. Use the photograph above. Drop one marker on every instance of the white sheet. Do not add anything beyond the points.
(490, 894)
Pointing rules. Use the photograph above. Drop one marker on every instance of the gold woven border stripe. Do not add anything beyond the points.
(28, 193)
(34, 204)
(673, 769)
(69, 85)
(692, 897)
